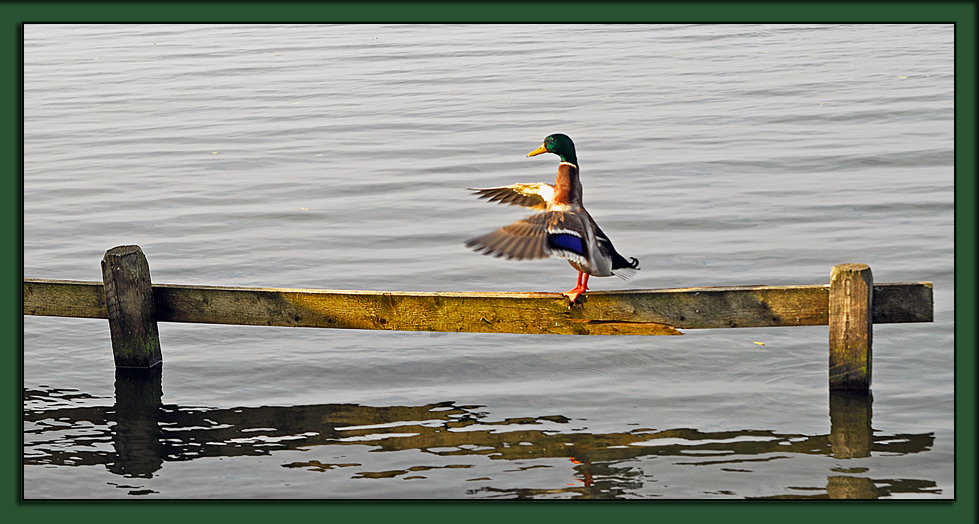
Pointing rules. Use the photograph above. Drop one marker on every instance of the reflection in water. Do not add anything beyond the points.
(851, 436)
(849, 415)
(594, 481)
(137, 435)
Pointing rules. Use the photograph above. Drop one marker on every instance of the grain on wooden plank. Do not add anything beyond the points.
(850, 326)
(600, 312)
(540, 313)
(620, 312)
(714, 307)
(901, 302)
(64, 298)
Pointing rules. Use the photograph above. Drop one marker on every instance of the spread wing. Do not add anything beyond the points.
(523, 240)
(538, 236)
(534, 196)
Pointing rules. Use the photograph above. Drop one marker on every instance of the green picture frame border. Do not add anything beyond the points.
(14, 14)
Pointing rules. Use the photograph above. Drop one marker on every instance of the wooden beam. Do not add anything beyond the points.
(900, 303)
(535, 313)
(64, 298)
(639, 312)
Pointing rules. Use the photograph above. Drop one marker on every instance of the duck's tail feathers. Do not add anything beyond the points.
(623, 268)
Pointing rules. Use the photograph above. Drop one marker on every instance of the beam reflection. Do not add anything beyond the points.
(136, 436)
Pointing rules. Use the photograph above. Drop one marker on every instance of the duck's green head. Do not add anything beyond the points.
(560, 145)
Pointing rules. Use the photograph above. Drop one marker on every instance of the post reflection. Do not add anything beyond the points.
(145, 434)
(136, 434)
(850, 436)
(850, 413)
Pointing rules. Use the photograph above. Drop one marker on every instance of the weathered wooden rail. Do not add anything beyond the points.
(850, 304)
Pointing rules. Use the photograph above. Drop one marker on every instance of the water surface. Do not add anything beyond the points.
(338, 157)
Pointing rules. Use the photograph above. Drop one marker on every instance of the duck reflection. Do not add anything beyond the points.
(144, 433)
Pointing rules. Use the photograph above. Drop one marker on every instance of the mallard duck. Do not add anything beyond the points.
(564, 229)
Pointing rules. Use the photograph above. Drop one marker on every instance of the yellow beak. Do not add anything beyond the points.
(538, 151)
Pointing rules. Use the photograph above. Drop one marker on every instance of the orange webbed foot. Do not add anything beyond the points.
(573, 294)
(580, 288)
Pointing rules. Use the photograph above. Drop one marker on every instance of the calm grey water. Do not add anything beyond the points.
(338, 157)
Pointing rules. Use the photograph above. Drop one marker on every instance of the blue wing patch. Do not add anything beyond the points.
(566, 242)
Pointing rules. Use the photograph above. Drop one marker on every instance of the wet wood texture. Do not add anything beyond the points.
(851, 307)
(130, 308)
(640, 312)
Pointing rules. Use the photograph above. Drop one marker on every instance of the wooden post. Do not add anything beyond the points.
(851, 292)
(130, 307)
